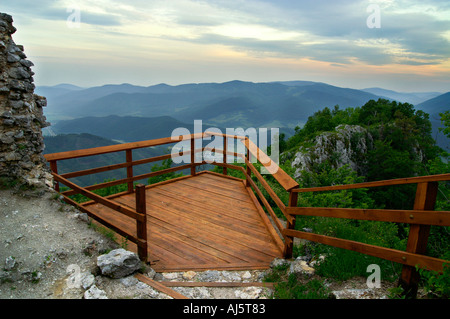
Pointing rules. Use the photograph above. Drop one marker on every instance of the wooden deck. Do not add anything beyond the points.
(206, 221)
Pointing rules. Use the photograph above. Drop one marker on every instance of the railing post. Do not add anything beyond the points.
(418, 237)
(249, 171)
(54, 169)
(289, 241)
(225, 171)
(141, 208)
(129, 158)
(192, 156)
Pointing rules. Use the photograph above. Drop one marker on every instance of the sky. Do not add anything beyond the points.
(399, 45)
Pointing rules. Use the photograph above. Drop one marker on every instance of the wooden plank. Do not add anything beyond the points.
(184, 246)
(266, 204)
(159, 286)
(266, 221)
(237, 193)
(129, 160)
(269, 285)
(141, 226)
(99, 199)
(210, 218)
(93, 213)
(119, 166)
(389, 182)
(227, 244)
(425, 217)
(217, 229)
(219, 211)
(268, 189)
(289, 243)
(218, 251)
(418, 236)
(243, 211)
(202, 267)
(118, 147)
(221, 176)
(128, 180)
(285, 180)
(394, 255)
(54, 169)
(228, 182)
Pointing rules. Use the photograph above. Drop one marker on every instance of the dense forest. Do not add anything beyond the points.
(401, 145)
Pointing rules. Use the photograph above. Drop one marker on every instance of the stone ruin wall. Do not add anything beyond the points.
(21, 114)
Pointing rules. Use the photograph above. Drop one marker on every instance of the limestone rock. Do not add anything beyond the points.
(95, 293)
(347, 145)
(118, 263)
(300, 266)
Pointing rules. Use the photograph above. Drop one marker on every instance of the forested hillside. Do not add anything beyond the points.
(397, 143)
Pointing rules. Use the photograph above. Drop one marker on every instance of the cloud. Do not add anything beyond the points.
(413, 33)
(61, 10)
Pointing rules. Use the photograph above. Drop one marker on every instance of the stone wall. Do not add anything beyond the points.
(21, 114)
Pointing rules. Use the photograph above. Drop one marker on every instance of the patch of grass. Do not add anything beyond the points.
(296, 286)
(8, 183)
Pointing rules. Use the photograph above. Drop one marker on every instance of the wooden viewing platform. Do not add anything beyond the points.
(208, 220)
(200, 222)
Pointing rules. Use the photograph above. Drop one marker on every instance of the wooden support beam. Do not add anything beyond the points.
(418, 237)
(159, 286)
(193, 157)
(289, 241)
(225, 172)
(141, 225)
(54, 169)
(129, 160)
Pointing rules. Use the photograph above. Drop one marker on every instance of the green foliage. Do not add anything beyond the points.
(436, 285)
(164, 177)
(445, 119)
(295, 289)
(402, 147)
(292, 286)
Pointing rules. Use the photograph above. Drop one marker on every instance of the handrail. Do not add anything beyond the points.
(281, 176)
(387, 182)
(118, 147)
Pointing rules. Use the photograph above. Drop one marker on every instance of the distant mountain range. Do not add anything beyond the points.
(127, 112)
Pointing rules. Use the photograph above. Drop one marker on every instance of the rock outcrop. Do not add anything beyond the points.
(347, 145)
(21, 114)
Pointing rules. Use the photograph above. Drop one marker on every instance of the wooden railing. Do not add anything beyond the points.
(420, 218)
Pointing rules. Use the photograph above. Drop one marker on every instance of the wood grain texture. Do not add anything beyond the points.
(206, 221)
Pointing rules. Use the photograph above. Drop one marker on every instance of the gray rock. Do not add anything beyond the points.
(87, 280)
(278, 262)
(209, 276)
(300, 266)
(95, 293)
(118, 263)
(129, 281)
(10, 263)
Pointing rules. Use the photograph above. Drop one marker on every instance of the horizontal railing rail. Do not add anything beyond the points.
(420, 218)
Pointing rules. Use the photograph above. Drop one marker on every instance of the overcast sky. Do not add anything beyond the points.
(400, 45)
